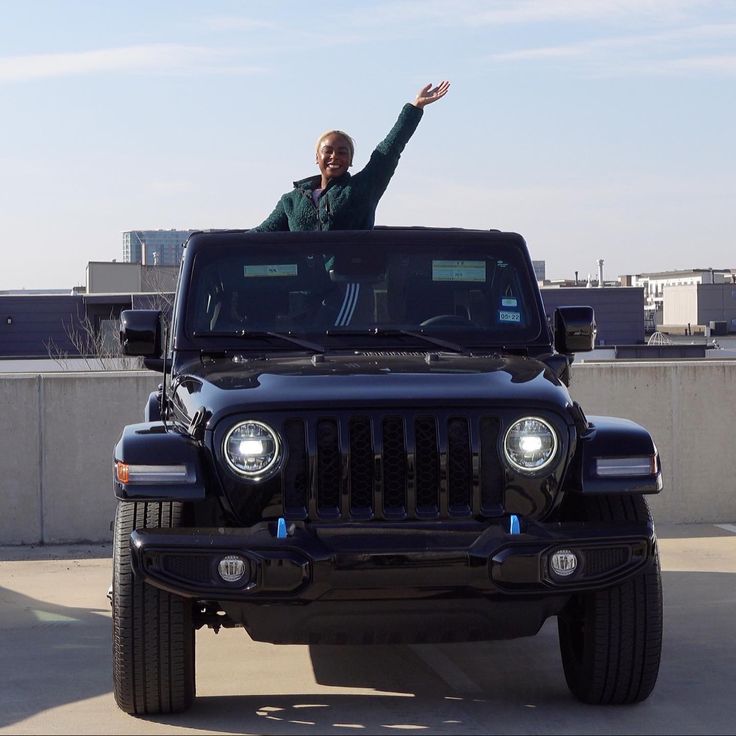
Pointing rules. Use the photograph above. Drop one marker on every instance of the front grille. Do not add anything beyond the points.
(388, 466)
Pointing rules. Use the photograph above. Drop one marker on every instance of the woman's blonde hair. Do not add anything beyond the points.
(348, 140)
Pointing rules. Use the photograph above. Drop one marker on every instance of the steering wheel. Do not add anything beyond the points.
(446, 319)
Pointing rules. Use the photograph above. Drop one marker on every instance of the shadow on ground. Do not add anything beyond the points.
(50, 655)
(55, 655)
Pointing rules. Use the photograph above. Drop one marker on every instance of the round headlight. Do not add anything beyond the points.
(252, 449)
(530, 444)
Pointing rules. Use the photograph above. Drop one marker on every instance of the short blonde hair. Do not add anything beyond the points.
(342, 134)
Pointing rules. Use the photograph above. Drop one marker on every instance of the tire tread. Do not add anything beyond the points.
(153, 635)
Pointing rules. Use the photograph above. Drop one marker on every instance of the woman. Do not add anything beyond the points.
(335, 200)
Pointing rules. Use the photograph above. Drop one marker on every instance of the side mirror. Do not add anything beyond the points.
(140, 332)
(575, 329)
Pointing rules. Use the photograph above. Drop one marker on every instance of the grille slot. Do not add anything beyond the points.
(387, 466)
(491, 469)
(600, 561)
(427, 466)
(192, 568)
(296, 471)
(361, 467)
(328, 468)
(459, 467)
(394, 467)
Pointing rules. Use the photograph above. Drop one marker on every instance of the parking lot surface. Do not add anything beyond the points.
(55, 643)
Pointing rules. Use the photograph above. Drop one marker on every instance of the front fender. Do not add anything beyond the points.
(160, 465)
(618, 456)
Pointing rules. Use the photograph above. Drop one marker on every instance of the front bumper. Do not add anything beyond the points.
(389, 560)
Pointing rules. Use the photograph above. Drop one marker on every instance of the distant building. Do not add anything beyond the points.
(540, 270)
(50, 325)
(104, 277)
(619, 311)
(655, 282)
(154, 247)
(705, 305)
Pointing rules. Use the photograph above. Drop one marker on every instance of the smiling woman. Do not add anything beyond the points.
(335, 200)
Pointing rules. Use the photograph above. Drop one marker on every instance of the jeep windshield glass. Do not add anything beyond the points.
(468, 295)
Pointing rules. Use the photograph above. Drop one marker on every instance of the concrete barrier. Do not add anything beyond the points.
(58, 431)
(690, 409)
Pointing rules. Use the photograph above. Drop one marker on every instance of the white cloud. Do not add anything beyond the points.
(675, 50)
(153, 58)
(508, 12)
(237, 23)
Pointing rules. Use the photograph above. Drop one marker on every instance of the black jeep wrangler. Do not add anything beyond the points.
(366, 437)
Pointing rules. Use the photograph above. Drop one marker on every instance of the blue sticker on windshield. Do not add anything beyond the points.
(507, 316)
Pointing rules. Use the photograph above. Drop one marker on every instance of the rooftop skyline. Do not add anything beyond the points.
(596, 130)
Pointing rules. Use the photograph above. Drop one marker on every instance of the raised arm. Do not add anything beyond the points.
(385, 158)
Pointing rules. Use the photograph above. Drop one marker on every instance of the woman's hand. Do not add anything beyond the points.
(427, 95)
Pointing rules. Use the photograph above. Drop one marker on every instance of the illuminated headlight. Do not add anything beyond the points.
(530, 444)
(252, 449)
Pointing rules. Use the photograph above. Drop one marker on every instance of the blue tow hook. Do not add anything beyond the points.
(281, 528)
(514, 525)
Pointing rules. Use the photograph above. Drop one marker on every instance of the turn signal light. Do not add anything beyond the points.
(122, 472)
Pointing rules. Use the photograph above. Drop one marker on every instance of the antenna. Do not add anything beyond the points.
(163, 385)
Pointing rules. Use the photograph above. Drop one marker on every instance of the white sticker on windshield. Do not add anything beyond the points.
(458, 270)
(508, 301)
(270, 269)
(509, 316)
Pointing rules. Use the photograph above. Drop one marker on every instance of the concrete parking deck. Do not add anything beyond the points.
(56, 677)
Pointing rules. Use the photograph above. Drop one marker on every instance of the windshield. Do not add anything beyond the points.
(472, 295)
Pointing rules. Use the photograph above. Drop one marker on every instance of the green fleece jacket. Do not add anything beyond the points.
(348, 202)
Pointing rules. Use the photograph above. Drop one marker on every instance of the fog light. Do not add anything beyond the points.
(564, 562)
(232, 569)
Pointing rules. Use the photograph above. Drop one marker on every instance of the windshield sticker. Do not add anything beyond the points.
(458, 271)
(509, 316)
(270, 269)
(508, 301)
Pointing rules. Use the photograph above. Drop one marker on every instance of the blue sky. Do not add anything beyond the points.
(595, 128)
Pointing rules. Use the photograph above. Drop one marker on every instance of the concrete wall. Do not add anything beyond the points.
(688, 407)
(58, 432)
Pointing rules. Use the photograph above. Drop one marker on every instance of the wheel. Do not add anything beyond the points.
(445, 319)
(611, 640)
(153, 635)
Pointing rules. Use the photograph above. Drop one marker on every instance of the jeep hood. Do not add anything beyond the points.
(225, 386)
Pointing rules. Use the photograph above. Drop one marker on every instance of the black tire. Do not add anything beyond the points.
(611, 640)
(153, 635)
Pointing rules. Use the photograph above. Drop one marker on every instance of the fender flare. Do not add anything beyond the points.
(154, 444)
(612, 437)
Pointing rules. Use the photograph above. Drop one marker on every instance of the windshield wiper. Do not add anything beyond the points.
(388, 332)
(306, 344)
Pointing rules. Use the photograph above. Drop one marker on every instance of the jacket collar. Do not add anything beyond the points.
(312, 182)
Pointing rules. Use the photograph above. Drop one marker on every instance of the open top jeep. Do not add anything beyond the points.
(366, 437)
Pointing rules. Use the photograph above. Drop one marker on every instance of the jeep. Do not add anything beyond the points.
(367, 437)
